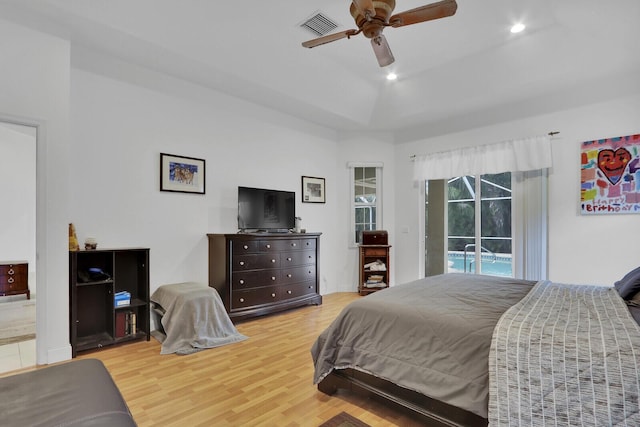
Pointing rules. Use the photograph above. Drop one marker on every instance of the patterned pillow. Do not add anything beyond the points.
(629, 285)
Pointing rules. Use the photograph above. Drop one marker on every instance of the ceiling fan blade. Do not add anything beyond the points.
(382, 50)
(428, 12)
(329, 38)
(366, 7)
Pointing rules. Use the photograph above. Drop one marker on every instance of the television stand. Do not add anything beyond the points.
(263, 273)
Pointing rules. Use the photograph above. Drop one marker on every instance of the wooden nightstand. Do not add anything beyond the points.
(14, 278)
(374, 268)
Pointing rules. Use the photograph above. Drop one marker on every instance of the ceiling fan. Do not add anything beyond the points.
(372, 16)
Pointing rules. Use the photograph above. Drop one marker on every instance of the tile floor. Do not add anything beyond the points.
(17, 355)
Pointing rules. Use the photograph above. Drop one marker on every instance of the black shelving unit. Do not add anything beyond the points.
(95, 276)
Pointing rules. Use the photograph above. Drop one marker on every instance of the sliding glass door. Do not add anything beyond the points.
(478, 223)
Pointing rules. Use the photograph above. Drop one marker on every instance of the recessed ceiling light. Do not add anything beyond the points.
(392, 76)
(517, 27)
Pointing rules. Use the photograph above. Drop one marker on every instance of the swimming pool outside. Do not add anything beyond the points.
(501, 267)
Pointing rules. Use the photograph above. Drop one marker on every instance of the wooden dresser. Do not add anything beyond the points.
(14, 278)
(259, 273)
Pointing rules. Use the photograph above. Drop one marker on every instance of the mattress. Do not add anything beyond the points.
(431, 336)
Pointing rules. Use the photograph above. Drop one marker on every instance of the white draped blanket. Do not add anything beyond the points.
(194, 319)
(565, 355)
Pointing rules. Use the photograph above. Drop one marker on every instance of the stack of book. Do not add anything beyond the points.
(125, 323)
(375, 281)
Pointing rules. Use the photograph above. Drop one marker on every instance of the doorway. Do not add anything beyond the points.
(17, 246)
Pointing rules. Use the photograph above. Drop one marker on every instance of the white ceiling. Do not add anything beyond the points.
(454, 73)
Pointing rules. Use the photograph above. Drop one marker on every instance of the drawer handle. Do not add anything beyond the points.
(10, 280)
(246, 246)
(310, 257)
(273, 278)
(268, 246)
(241, 262)
(273, 295)
(289, 292)
(241, 282)
(289, 275)
(289, 258)
(273, 260)
(294, 244)
(11, 271)
(241, 299)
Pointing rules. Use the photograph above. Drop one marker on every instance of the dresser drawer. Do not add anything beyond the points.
(13, 269)
(297, 290)
(255, 297)
(298, 274)
(255, 262)
(375, 252)
(254, 279)
(239, 247)
(298, 258)
(13, 278)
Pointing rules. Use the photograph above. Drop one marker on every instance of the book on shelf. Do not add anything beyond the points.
(125, 324)
(121, 324)
(368, 284)
(375, 281)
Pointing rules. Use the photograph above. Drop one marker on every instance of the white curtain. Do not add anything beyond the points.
(530, 219)
(528, 160)
(509, 156)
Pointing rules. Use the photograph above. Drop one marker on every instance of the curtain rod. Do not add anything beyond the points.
(552, 133)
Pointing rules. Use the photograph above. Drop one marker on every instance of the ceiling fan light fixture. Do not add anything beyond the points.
(392, 76)
(517, 28)
(382, 51)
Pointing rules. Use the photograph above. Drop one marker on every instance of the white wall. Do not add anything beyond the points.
(18, 191)
(120, 129)
(34, 90)
(582, 249)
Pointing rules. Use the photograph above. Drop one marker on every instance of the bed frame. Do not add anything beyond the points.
(430, 411)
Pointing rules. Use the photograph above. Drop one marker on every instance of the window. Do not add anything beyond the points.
(479, 231)
(366, 201)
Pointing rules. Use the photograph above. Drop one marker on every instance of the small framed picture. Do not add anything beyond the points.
(182, 174)
(313, 190)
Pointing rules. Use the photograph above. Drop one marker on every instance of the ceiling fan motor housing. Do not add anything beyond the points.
(373, 27)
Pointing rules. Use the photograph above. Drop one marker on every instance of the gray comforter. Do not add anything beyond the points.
(194, 319)
(566, 355)
(431, 336)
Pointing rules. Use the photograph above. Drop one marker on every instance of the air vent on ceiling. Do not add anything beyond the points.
(319, 24)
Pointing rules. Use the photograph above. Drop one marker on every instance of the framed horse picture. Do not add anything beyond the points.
(182, 174)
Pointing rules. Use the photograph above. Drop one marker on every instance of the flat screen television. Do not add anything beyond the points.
(260, 209)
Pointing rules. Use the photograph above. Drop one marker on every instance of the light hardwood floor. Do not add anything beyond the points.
(263, 381)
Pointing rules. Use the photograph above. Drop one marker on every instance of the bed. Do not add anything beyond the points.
(425, 346)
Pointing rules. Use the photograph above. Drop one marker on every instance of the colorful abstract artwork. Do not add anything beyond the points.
(610, 175)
